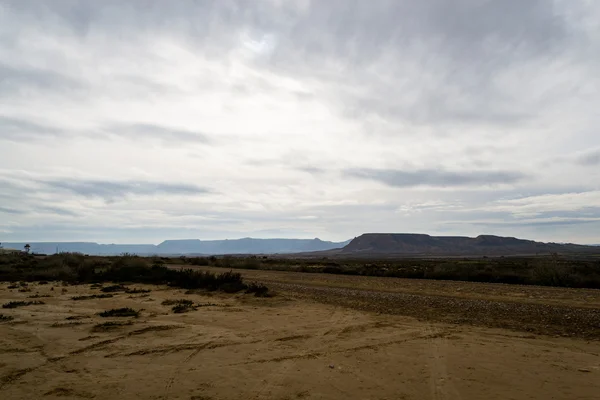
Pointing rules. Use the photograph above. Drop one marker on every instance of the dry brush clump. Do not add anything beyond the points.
(258, 289)
(120, 312)
(180, 305)
(110, 325)
(65, 324)
(137, 291)
(113, 288)
(5, 318)
(76, 268)
(15, 304)
(92, 296)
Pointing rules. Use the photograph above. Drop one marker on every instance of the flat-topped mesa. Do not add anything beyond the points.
(422, 244)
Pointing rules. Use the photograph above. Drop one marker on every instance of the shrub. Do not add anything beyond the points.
(5, 318)
(15, 304)
(171, 302)
(182, 308)
(92, 296)
(136, 291)
(113, 288)
(198, 261)
(258, 289)
(76, 317)
(75, 268)
(64, 324)
(179, 305)
(110, 325)
(251, 263)
(120, 312)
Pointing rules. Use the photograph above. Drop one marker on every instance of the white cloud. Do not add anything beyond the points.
(298, 118)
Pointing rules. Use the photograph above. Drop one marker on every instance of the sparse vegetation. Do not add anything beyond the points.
(65, 324)
(171, 302)
(73, 268)
(15, 304)
(110, 325)
(137, 291)
(179, 305)
(546, 270)
(258, 289)
(113, 288)
(92, 296)
(5, 318)
(120, 312)
(182, 308)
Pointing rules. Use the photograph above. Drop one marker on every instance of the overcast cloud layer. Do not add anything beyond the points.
(140, 121)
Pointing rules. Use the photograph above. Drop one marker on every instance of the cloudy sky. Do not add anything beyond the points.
(138, 121)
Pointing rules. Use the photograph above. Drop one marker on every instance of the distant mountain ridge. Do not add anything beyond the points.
(421, 244)
(183, 247)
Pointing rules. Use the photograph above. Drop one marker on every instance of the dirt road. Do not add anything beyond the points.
(286, 347)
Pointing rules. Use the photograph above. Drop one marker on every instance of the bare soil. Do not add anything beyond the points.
(300, 344)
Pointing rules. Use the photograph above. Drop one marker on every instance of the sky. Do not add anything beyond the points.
(144, 120)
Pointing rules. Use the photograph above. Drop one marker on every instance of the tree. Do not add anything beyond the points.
(27, 248)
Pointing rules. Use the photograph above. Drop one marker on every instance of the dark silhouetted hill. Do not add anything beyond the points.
(420, 244)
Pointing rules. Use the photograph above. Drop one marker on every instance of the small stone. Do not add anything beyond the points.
(584, 370)
(331, 366)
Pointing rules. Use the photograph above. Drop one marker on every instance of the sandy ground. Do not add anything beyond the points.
(535, 309)
(285, 347)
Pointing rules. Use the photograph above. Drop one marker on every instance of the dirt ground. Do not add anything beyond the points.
(286, 347)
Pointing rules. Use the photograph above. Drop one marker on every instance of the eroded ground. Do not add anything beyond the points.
(285, 347)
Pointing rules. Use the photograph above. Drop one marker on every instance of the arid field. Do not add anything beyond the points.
(320, 337)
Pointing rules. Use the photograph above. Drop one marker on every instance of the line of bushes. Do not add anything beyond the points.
(551, 270)
(76, 268)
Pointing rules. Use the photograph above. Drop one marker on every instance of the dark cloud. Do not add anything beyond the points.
(29, 81)
(312, 170)
(20, 129)
(591, 158)
(110, 190)
(537, 223)
(7, 210)
(56, 210)
(146, 131)
(438, 178)
(441, 59)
